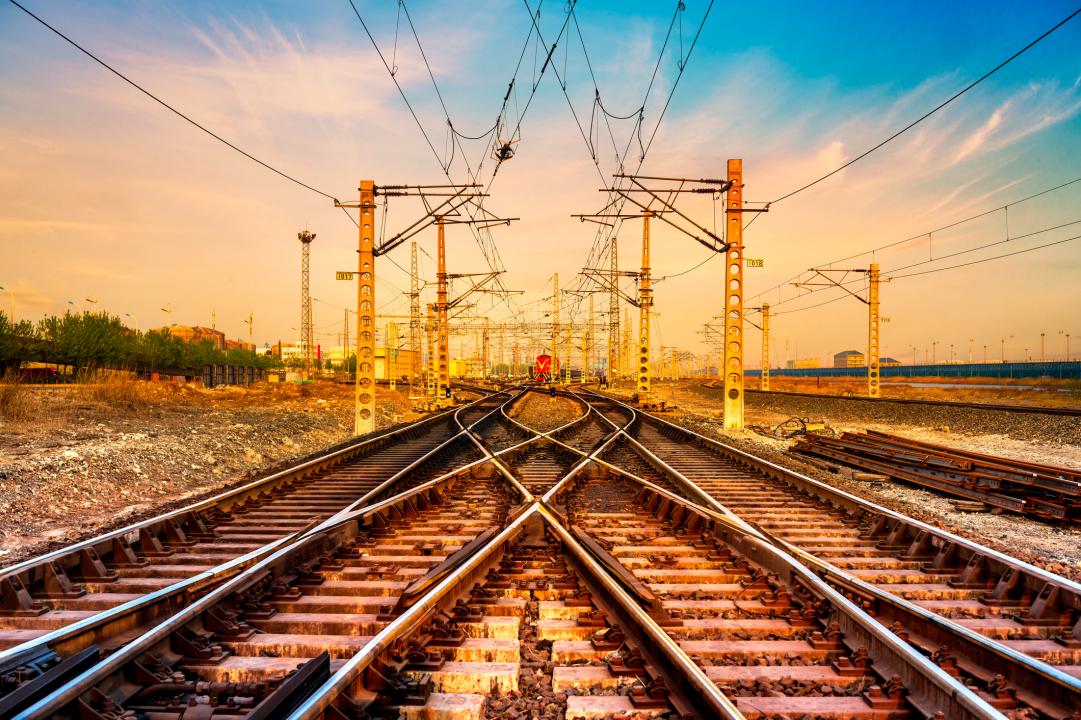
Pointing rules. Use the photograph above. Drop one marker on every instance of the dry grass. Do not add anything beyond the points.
(15, 402)
(116, 389)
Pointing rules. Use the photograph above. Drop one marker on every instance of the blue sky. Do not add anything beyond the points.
(109, 197)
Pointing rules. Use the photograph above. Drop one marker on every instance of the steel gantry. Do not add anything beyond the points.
(414, 314)
(874, 320)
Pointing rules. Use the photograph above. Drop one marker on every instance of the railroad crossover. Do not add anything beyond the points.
(611, 565)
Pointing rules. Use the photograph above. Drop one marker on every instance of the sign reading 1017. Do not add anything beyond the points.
(343, 275)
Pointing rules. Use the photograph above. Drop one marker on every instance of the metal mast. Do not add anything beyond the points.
(872, 331)
(555, 323)
(442, 327)
(764, 385)
(364, 419)
(645, 304)
(414, 315)
(613, 317)
(306, 336)
(733, 292)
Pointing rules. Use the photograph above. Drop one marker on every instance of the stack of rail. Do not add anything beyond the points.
(1027, 488)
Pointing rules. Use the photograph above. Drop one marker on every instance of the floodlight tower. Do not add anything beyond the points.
(306, 337)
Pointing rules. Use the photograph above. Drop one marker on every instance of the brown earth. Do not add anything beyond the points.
(1019, 391)
(1050, 439)
(543, 413)
(85, 460)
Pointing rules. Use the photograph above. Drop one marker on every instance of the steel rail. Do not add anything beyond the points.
(114, 662)
(405, 623)
(696, 679)
(1036, 672)
(953, 697)
(220, 498)
(80, 634)
(787, 475)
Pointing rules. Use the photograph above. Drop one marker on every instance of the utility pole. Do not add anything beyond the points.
(430, 375)
(1041, 347)
(970, 351)
(555, 325)
(627, 353)
(589, 340)
(345, 340)
(414, 314)
(613, 316)
(485, 337)
(442, 328)
(364, 414)
(306, 339)
(733, 315)
(873, 320)
(764, 385)
(645, 304)
(390, 343)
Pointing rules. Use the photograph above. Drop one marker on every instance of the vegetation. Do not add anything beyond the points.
(90, 341)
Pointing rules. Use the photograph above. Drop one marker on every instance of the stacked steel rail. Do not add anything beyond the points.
(1043, 491)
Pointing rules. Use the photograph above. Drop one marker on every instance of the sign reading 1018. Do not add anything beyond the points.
(343, 275)
(756, 262)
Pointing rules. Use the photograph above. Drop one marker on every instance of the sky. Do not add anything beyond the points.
(109, 201)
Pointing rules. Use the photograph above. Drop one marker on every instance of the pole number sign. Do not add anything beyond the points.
(756, 262)
(343, 275)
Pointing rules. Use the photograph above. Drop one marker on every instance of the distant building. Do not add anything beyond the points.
(195, 334)
(239, 345)
(811, 362)
(889, 362)
(850, 358)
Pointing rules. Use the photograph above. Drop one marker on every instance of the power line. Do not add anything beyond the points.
(938, 107)
(983, 260)
(948, 226)
(170, 107)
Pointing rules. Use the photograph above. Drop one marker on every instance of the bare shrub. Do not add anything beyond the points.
(15, 402)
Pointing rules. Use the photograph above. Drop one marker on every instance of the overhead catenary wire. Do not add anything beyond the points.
(935, 109)
(170, 107)
(950, 225)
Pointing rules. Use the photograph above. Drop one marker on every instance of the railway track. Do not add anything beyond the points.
(570, 573)
(893, 564)
(1030, 409)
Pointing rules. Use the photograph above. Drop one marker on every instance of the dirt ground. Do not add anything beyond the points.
(1050, 439)
(1021, 391)
(543, 413)
(83, 462)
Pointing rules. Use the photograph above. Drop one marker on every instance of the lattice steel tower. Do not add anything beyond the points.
(306, 336)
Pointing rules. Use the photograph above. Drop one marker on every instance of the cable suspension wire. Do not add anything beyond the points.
(171, 108)
(917, 236)
(935, 109)
(890, 274)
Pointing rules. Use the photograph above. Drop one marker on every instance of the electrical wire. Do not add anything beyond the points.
(948, 226)
(934, 110)
(169, 107)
